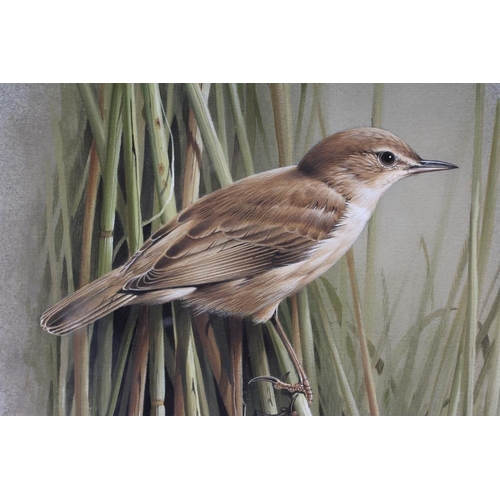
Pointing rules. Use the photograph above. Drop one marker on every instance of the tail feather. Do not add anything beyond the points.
(86, 305)
(99, 298)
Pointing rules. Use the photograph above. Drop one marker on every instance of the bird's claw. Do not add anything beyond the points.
(301, 387)
(284, 411)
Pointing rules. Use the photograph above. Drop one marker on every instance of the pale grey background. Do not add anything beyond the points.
(437, 120)
(26, 147)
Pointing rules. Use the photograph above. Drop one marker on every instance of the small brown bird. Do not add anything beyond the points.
(241, 250)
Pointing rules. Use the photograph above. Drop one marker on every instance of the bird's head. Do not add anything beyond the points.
(365, 161)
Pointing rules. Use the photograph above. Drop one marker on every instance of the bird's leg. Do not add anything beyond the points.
(303, 386)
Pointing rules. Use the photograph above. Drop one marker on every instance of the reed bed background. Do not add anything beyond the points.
(146, 151)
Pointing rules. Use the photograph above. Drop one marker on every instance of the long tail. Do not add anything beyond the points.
(86, 305)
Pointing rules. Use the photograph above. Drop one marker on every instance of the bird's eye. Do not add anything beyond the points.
(387, 158)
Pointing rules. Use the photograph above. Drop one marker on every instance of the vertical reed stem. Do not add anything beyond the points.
(109, 185)
(280, 96)
(371, 230)
(140, 359)
(473, 279)
(94, 115)
(81, 342)
(208, 134)
(368, 374)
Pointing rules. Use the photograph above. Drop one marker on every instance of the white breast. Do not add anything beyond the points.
(330, 250)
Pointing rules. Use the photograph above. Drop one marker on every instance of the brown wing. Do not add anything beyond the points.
(262, 222)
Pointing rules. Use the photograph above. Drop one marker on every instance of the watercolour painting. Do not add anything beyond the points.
(406, 323)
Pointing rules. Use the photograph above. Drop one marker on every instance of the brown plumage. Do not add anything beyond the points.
(242, 249)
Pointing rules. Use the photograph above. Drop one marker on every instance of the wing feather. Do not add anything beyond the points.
(238, 234)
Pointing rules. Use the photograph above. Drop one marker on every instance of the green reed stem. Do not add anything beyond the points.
(55, 281)
(157, 388)
(473, 278)
(371, 230)
(81, 345)
(493, 389)
(365, 356)
(159, 149)
(280, 96)
(185, 365)
(65, 345)
(121, 360)
(300, 116)
(286, 366)
(328, 343)
(241, 131)
(94, 115)
(132, 183)
(456, 386)
(490, 200)
(260, 367)
(221, 117)
(307, 344)
(105, 261)
(250, 113)
(208, 134)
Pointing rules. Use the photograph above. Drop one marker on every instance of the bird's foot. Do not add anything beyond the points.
(302, 387)
(284, 410)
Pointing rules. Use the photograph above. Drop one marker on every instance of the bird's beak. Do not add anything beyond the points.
(431, 166)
